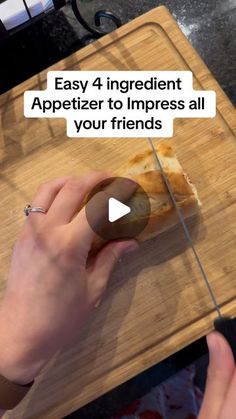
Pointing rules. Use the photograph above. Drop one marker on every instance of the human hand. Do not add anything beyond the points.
(51, 288)
(220, 395)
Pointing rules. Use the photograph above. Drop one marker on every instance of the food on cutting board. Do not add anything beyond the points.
(143, 169)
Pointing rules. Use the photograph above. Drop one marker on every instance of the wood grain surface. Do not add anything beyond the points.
(157, 302)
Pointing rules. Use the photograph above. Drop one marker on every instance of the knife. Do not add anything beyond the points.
(222, 324)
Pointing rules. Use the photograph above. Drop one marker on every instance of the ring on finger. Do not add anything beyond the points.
(28, 209)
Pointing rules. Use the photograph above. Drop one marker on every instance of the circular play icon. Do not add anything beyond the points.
(117, 208)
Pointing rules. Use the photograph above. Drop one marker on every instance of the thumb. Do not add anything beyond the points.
(220, 372)
(104, 264)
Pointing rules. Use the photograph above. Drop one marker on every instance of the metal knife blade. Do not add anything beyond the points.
(222, 324)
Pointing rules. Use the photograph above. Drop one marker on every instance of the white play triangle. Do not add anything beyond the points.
(117, 210)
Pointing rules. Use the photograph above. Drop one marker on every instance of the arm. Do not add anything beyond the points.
(52, 285)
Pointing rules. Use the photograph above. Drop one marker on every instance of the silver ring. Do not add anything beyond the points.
(28, 209)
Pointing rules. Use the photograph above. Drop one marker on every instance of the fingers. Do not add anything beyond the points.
(45, 196)
(121, 188)
(229, 408)
(220, 372)
(104, 264)
(70, 198)
(97, 207)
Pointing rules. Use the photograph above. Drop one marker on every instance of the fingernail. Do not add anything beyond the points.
(98, 303)
(130, 183)
(131, 247)
(212, 342)
(216, 348)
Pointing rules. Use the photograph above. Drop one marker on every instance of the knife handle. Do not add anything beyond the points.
(226, 326)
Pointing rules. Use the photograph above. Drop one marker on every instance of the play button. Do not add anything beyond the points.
(116, 210)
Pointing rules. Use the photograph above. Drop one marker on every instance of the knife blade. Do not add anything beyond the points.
(222, 324)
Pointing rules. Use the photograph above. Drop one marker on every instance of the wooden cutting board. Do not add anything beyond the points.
(157, 302)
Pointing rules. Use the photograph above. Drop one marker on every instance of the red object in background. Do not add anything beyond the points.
(150, 414)
(176, 398)
(129, 410)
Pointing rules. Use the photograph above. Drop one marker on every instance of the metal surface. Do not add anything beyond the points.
(186, 231)
(28, 209)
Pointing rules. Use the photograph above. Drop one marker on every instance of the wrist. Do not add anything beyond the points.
(17, 364)
(16, 371)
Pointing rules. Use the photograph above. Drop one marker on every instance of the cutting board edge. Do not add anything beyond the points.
(133, 373)
(160, 12)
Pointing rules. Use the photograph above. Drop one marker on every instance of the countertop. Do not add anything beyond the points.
(209, 25)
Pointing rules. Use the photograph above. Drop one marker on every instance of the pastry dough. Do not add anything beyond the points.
(143, 169)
